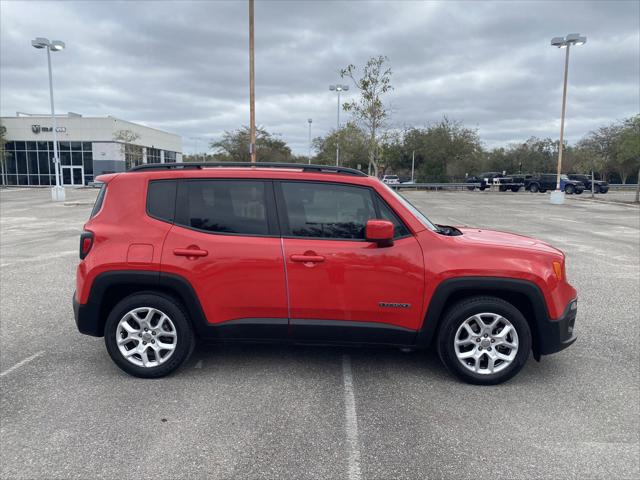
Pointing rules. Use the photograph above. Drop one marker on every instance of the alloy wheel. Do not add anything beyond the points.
(146, 337)
(486, 343)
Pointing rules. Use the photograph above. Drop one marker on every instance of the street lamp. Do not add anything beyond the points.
(557, 197)
(310, 120)
(57, 192)
(338, 88)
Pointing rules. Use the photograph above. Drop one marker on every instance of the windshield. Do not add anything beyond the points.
(424, 220)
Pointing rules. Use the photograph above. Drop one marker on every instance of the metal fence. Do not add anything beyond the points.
(468, 186)
(434, 186)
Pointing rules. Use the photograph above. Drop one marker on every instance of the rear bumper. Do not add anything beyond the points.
(87, 318)
(556, 335)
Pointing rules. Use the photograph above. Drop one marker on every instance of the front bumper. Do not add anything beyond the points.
(556, 335)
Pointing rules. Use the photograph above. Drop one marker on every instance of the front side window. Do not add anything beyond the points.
(327, 210)
(225, 206)
(399, 229)
(409, 206)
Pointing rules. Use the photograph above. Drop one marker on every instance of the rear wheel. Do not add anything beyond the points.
(484, 340)
(603, 189)
(471, 188)
(515, 189)
(569, 189)
(535, 188)
(148, 335)
(482, 187)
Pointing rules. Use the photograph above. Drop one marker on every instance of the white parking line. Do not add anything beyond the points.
(351, 425)
(20, 363)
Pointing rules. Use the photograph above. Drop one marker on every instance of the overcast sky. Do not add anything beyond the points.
(183, 66)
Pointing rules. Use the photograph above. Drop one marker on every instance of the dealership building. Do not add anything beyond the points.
(88, 146)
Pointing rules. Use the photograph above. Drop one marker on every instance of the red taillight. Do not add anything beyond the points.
(86, 242)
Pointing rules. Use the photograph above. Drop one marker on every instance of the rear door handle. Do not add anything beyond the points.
(190, 252)
(307, 258)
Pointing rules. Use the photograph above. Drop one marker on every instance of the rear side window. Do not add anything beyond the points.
(161, 199)
(99, 200)
(224, 206)
(324, 210)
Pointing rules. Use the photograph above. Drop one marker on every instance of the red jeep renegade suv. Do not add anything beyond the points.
(307, 254)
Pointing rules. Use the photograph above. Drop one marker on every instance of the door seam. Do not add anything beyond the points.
(286, 285)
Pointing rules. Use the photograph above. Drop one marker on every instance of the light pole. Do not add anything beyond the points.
(310, 121)
(252, 89)
(557, 197)
(413, 164)
(338, 88)
(57, 192)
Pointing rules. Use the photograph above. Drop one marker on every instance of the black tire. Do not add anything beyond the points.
(569, 189)
(543, 190)
(465, 309)
(482, 187)
(579, 192)
(502, 188)
(603, 189)
(534, 188)
(471, 188)
(515, 189)
(185, 342)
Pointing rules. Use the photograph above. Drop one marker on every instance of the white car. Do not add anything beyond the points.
(391, 179)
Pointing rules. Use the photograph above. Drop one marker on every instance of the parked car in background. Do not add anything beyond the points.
(599, 186)
(307, 254)
(391, 179)
(496, 179)
(547, 181)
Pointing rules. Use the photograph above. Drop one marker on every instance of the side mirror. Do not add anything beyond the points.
(380, 232)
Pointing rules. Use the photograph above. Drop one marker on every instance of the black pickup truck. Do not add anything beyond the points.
(547, 181)
(599, 186)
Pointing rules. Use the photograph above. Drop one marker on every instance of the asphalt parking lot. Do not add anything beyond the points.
(260, 411)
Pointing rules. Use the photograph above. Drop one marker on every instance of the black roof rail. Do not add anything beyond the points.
(199, 165)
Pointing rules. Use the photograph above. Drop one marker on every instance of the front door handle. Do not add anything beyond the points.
(307, 258)
(190, 252)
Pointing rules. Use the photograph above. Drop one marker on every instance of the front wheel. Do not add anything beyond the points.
(603, 189)
(484, 340)
(534, 188)
(569, 189)
(515, 189)
(148, 335)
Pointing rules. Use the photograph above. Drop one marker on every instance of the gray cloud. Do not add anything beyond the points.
(183, 66)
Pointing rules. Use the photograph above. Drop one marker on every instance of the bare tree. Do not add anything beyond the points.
(3, 167)
(369, 110)
(132, 153)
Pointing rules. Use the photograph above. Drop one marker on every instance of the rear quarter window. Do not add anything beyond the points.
(161, 200)
(99, 200)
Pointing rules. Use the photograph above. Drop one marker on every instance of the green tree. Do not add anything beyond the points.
(353, 147)
(369, 110)
(627, 148)
(599, 149)
(234, 146)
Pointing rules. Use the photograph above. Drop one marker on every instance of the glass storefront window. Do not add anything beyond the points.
(87, 161)
(65, 158)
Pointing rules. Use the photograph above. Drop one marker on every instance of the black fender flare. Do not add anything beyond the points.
(506, 288)
(91, 316)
